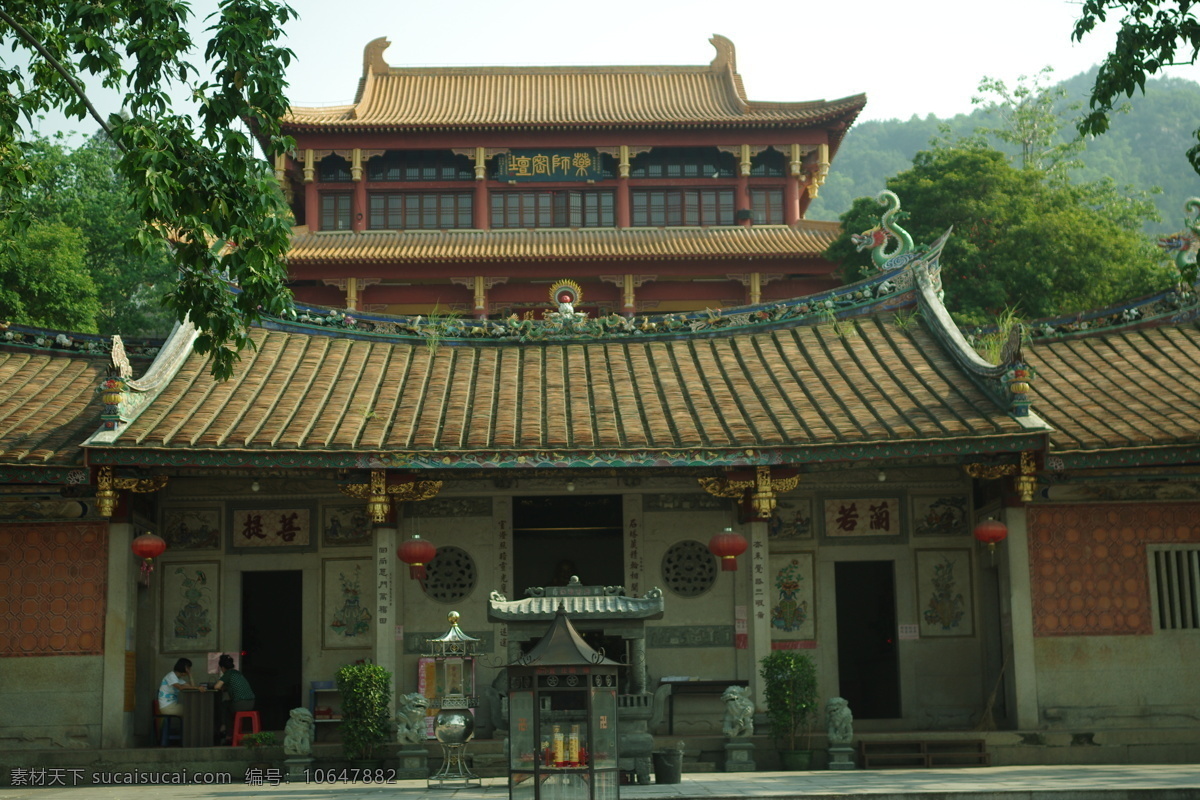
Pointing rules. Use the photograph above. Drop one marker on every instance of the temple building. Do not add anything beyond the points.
(499, 418)
(466, 191)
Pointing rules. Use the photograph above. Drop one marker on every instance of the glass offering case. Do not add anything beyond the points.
(563, 726)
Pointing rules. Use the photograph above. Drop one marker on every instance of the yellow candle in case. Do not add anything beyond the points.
(559, 750)
(573, 745)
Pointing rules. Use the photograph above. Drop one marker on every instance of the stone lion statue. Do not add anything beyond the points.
(739, 712)
(839, 722)
(299, 732)
(410, 720)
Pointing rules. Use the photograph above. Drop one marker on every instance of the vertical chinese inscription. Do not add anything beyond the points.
(383, 584)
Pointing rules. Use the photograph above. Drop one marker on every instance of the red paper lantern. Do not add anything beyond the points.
(148, 547)
(728, 546)
(991, 531)
(416, 552)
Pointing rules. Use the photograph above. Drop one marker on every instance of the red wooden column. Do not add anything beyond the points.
(794, 185)
(359, 213)
(480, 216)
(622, 193)
(312, 200)
(741, 196)
(791, 201)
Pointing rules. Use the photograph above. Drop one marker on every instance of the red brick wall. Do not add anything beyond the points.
(1087, 563)
(53, 584)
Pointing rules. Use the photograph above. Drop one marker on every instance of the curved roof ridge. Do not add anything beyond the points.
(882, 292)
(1170, 307)
(501, 96)
(136, 394)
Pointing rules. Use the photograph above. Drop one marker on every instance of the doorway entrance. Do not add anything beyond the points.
(557, 537)
(868, 659)
(271, 651)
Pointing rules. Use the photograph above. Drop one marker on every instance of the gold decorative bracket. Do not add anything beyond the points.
(758, 494)
(1024, 473)
(379, 494)
(108, 486)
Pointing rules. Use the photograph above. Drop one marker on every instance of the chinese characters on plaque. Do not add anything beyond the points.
(549, 165)
(862, 516)
(273, 528)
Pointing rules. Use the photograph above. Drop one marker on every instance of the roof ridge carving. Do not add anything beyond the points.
(489, 96)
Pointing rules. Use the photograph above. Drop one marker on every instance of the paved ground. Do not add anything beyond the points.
(1158, 782)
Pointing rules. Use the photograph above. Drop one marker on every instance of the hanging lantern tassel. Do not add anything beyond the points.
(148, 547)
(989, 532)
(416, 552)
(728, 546)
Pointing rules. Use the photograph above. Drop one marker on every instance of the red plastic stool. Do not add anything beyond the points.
(238, 716)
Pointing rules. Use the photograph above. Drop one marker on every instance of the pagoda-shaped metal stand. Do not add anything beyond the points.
(454, 726)
(562, 720)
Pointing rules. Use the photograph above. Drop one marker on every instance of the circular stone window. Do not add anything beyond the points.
(452, 575)
(689, 569)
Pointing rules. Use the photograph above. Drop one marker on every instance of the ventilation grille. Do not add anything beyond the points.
(1177, 582)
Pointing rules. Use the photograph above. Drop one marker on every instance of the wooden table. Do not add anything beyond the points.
(695, 687)
(199, 713)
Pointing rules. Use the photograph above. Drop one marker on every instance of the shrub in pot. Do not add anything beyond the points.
(790, 694)
(255, 743)
(366, 709)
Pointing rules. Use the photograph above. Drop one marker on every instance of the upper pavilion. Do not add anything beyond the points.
(469, 190)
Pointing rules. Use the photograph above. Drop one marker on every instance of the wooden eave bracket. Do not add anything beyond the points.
(758, 494)
(379, 493)
(108, 486)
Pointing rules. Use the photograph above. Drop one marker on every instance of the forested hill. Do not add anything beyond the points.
(1144, 148)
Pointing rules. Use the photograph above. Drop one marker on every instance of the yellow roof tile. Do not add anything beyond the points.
(48, 405)
(507, 97)
(1128, 388)
(804, 239)
(801, 386)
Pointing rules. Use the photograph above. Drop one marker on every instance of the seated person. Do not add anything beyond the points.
(168, 690)
(240, 697)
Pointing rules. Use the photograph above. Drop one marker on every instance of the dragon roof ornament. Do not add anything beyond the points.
(1185, 244)
(876, 239)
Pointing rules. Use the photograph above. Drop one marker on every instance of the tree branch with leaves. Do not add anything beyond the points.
(195, 180)
(1152, 35)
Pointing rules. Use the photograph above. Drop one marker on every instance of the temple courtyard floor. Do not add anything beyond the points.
(1108, 782)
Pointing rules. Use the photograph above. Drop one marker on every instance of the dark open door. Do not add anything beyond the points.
(271, 608)
(868, 659)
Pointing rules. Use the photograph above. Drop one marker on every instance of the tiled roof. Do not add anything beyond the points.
(789, 388)
(804, 239)
(1121, 389)
(517, 97)
(578, 607)
(48, 405)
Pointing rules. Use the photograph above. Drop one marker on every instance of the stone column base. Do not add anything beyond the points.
(297, 766)
(739, 756)
(841, 758)
(412, 763)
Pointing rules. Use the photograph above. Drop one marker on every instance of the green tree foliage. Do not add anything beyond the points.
(43, 279)
(1152, 35)
(193, 180)
(1030, 118)
(1143, 148)
(1020, 240)
(82, 189)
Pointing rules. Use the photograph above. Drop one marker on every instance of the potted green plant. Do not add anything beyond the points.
(255, 742)
(366, 709)
(790, 693)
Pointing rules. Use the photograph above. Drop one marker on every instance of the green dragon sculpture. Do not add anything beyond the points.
(876, 238)
(1184, 243)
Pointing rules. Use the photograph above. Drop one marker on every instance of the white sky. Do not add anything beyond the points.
(910, 57)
